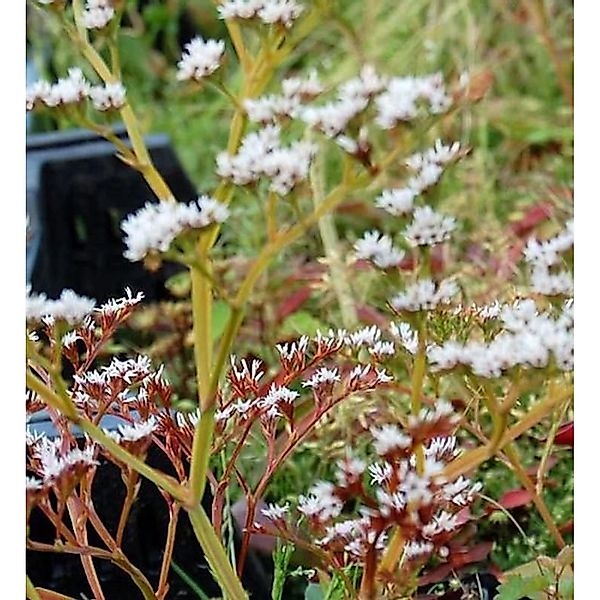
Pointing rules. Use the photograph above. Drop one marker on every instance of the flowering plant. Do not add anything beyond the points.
(400, 499)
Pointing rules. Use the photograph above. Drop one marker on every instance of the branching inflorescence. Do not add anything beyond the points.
(392, 507)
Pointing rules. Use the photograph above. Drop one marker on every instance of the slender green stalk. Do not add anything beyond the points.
(202, 319)
(216, 555)
(513, 456)
(32, 593)
(189, 581)
(473, 458)
(329, 237)
(201, 447)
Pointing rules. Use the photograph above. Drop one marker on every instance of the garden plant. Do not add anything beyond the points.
(377, 413)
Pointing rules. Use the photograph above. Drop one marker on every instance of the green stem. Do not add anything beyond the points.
(216, 556)
(473, 458)
(513, 456)
(32, 593)
(201, 447)
(144, 162)
(329, 237)
(202, 319)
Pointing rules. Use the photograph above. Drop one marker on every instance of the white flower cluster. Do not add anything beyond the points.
(322, 376)
(529, 339)
(275, 512)
(68, 90)
(397, 201)
(542, 256)
(261, 154)
(321, 502)
(353, 97)
(114, 306)
(349, 470)
(429, 227)
(97, 14)
(248, 373)
(367, 336)
(425, 294)
(135, 431)
(129, 371)
(428, 168)
(200, 59)
(401, 492)
(108, 97)
(55, 463)
(407, 336)
(267, 109)
(74, 89)
(389, 438)
(154, 227)
(379, 249)
(284, 12)
(404, 95)
(69, 307)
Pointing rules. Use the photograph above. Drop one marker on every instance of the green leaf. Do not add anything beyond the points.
(313, 592)
(302, 323)
(566, 588)
(517, 586)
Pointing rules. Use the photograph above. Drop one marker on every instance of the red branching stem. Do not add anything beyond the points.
(79, 526)
(219, 494)
(293, 440)
(367, 584)
(61, 528)
(131, 486)
(163, 585)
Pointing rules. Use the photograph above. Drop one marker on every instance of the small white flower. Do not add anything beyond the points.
(321, 503)
(200, 59)
(408, 337)
(382, 349)
(381, 472)
(397, 201)
(37, 93)
(424, 295)
(97, 14)
(389, 438)
(414, 549)
(429, 227)
(137, 431)
(378, 248)
(322, 376)
(367, 336)
(110, 96)
(333, 118)
(366, 85)
(70, 338)
(114, 305)
(156, 226)
(294, 87)
(405, 97)
(32, 484)
(276, 512)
